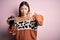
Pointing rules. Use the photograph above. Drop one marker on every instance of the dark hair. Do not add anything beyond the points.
(23, 3)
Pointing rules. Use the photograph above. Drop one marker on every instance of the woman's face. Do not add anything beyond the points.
(24, 10)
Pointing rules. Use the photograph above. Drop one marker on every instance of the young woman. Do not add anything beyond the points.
(25, 25)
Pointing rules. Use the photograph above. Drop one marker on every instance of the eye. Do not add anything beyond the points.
(25, 8)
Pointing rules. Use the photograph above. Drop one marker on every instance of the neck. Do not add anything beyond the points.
(24, 15)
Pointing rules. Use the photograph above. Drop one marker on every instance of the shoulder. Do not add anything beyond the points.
(17, 18)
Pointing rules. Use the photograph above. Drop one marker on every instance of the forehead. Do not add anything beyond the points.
(24, 6)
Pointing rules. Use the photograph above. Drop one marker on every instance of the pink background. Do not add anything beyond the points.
(50, 9)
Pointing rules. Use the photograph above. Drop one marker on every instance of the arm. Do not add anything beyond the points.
(39, 19)
(12, 28)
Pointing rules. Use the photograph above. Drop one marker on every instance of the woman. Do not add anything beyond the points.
(25, 25)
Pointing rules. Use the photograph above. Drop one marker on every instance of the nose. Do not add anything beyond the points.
(24, 11)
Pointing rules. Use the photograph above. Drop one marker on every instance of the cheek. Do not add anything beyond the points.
(21, 11)
(26, 10)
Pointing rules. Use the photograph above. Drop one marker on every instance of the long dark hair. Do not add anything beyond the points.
(21, 4)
